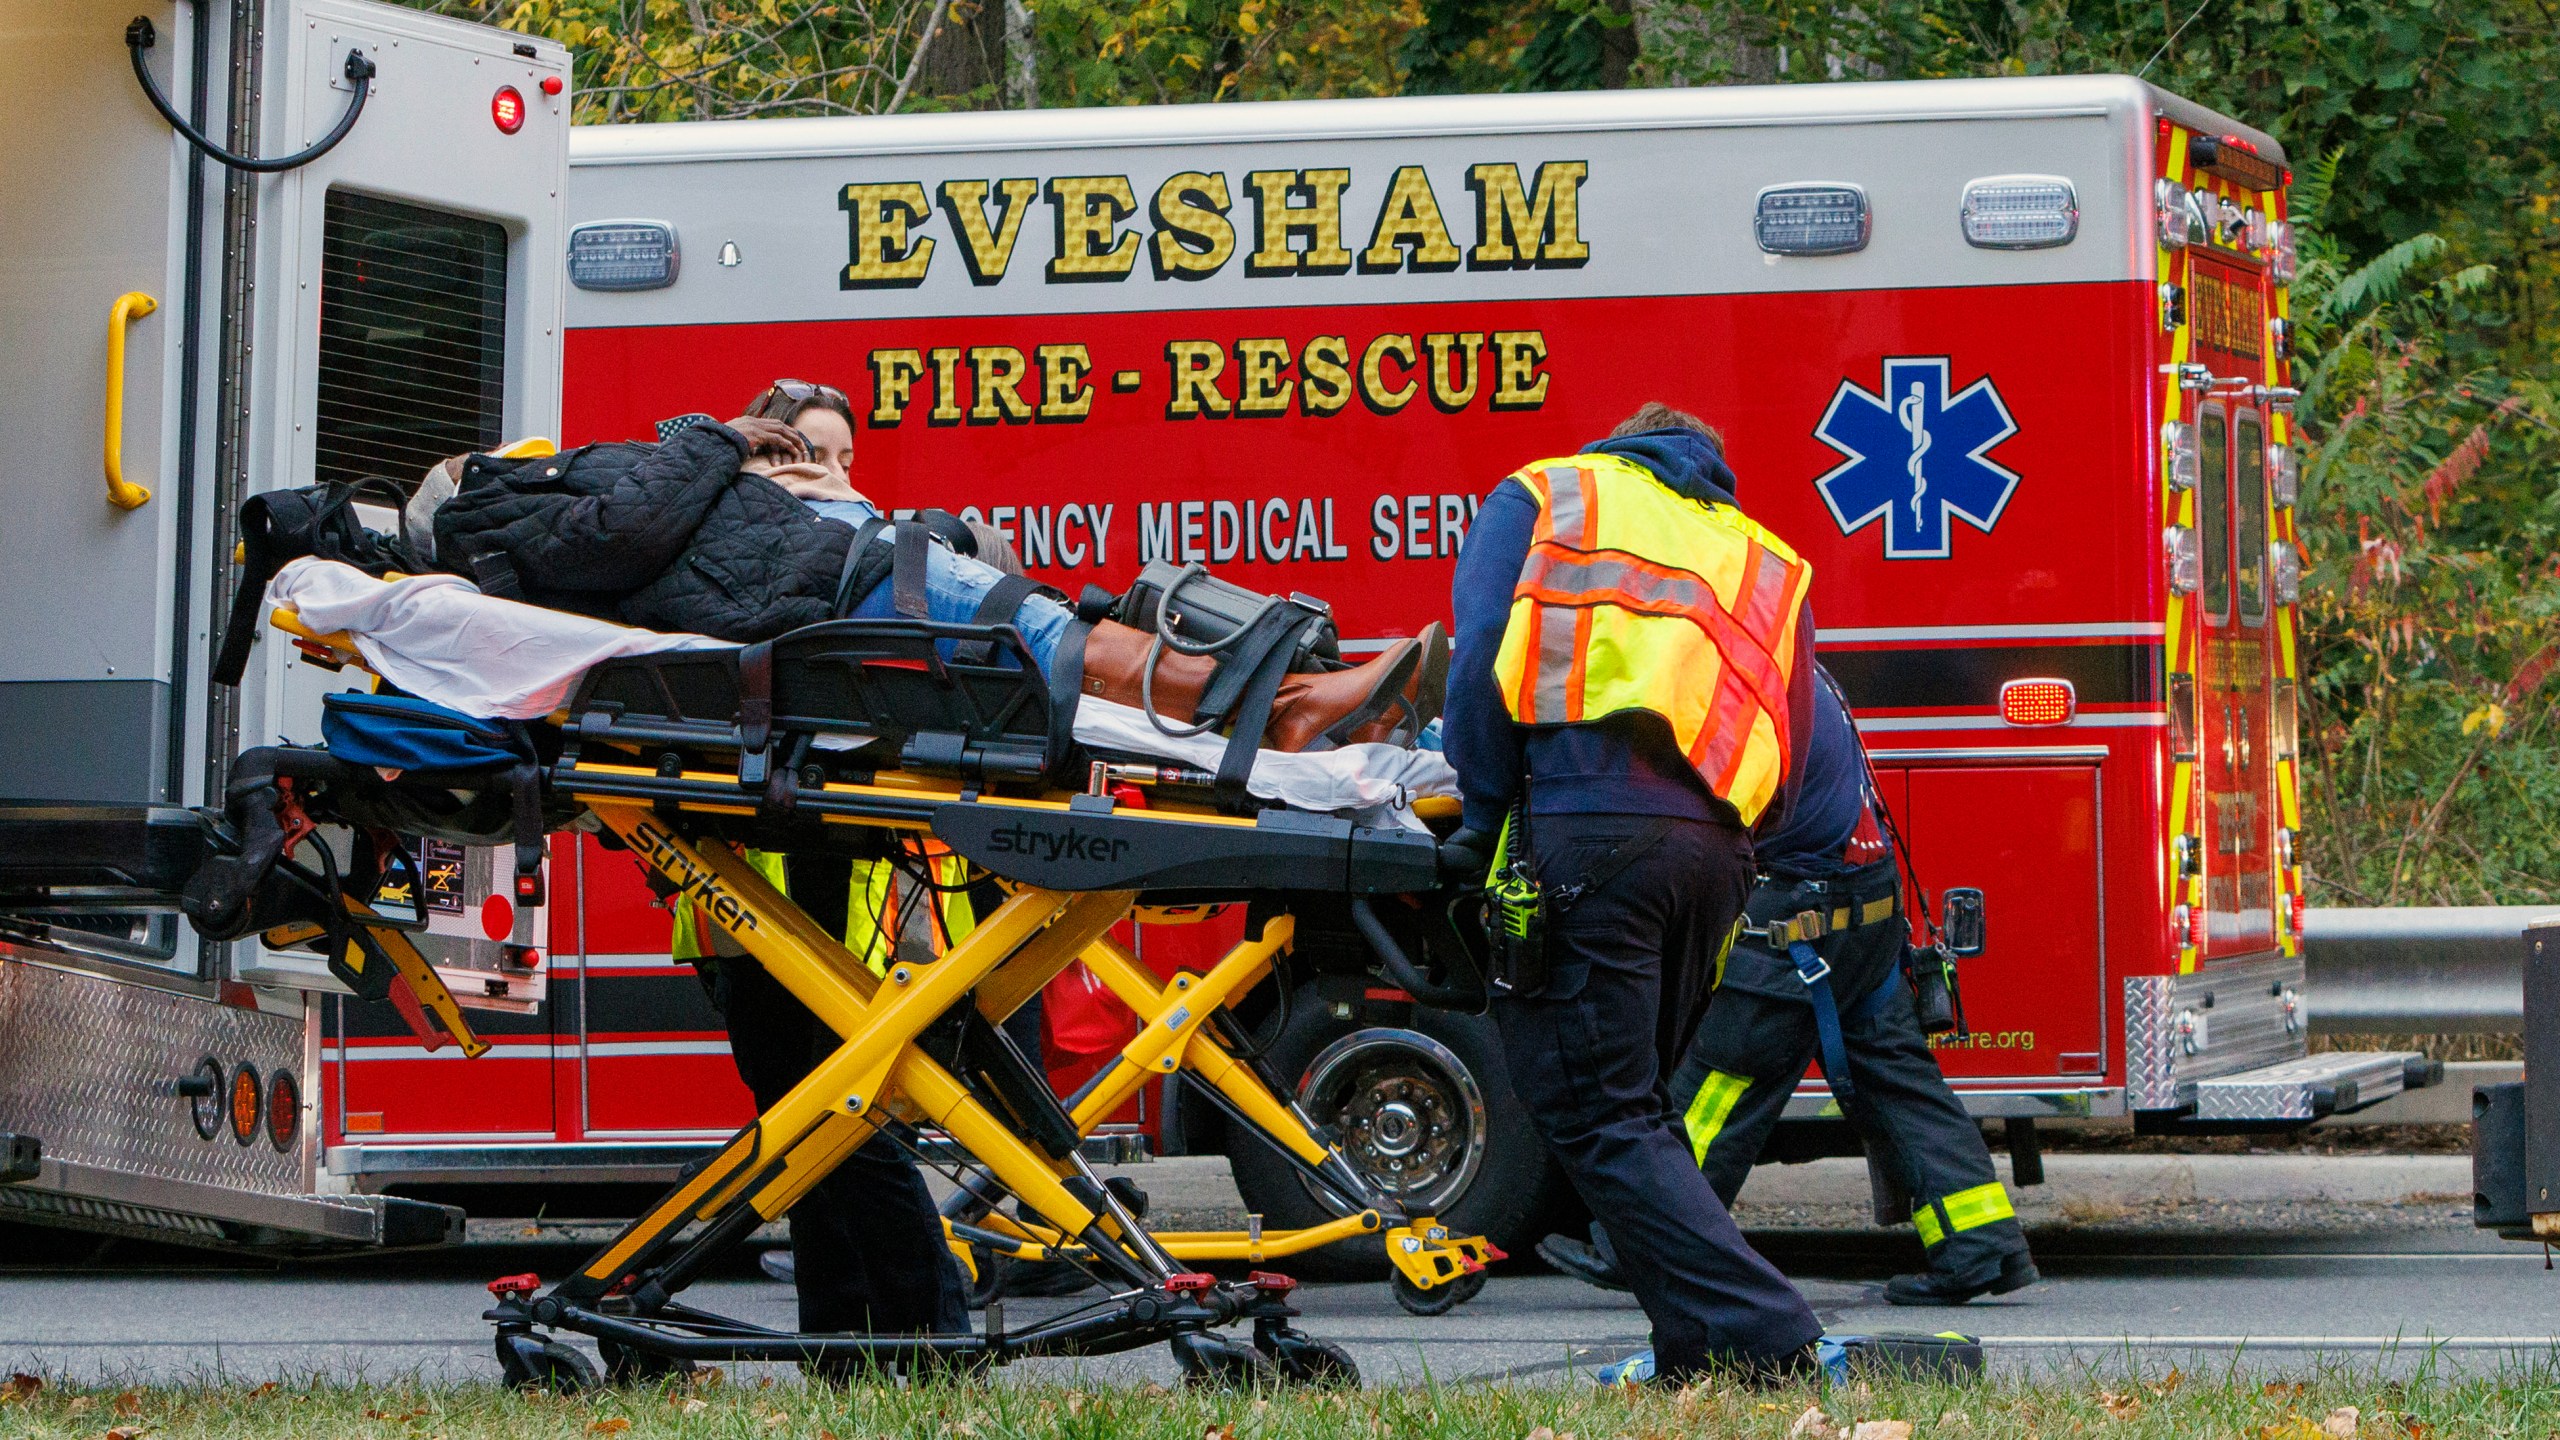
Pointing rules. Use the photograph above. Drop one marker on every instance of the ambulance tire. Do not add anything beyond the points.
(1453, 1067)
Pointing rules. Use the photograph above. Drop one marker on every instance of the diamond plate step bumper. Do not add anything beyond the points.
(2315, 1086)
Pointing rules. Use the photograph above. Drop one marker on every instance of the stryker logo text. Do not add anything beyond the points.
(693, 883)
(1050, 846)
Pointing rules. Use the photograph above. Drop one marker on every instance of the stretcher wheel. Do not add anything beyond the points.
(1215, 1362)
(629, 1365)
(1438, 1300)
(531, 1364)
(1305, 1360)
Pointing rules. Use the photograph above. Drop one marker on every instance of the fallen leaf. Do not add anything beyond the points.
(1075, 1402)
(1881, 1430)
(775, 1420)
(2292, 1427)
(1219, 1432)
(127, 1432)
(1542, 1433)
(1813, 1425)
(2282, 1389)
(690, 1404)
(2342, 1422)
(2118, 1406)
(263, 1391)
(706, 1377)
(2169, 1383)
(2417, 1429)
(128, 1403)
(826, 1435)
(79, 1405)
(21, 1385)
(613, 1426)
(1954, 1420)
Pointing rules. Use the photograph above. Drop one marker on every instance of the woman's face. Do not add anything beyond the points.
(830, 440)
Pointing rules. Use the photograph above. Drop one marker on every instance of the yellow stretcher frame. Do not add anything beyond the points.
(1173, 1034)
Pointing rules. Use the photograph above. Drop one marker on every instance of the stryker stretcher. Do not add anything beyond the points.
(863, 738)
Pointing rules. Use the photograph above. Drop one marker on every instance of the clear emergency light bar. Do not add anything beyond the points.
(2284, 472)
(2181, 219)
(1814, 219)
(2185, 555)
(2178, 439)
(2019, 212)
(2287, 565)
(623, 255)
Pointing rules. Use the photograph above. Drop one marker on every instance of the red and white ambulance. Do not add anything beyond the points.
(2005, 359)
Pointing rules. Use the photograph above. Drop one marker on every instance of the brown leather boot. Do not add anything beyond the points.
(1341, 701)
(1307, 705)
(1418, 704)
(1115, 667)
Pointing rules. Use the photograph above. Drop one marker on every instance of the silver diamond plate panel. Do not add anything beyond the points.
(2225, 1018)
(89, 1067)
(2290, 1090)
(2150, 1042)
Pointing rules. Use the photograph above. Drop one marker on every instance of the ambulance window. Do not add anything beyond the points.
(413, 314)
(2249, 511)
(2213, 506)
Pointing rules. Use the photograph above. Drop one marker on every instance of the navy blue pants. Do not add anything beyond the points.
(866, 1241)
(1590, 1058)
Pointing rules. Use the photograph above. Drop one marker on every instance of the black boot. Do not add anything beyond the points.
(2015, 1272)
(1590, 1262)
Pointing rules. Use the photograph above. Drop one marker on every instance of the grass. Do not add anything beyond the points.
(2337, 1400)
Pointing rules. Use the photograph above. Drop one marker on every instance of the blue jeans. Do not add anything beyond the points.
(954, 587)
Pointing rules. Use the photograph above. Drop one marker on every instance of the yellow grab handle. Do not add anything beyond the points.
(130, 306)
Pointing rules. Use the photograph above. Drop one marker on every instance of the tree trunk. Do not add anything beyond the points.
(1022, 58)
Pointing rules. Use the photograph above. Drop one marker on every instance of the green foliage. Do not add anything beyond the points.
(1159, 52)
(720, 59)
(2431, 618)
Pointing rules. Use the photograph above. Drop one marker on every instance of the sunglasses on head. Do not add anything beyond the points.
(783, 397)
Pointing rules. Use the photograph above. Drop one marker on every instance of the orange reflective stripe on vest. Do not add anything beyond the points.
(1634, 597)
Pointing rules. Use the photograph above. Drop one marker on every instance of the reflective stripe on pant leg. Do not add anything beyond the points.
(1964, 1210)
(1708, 1110)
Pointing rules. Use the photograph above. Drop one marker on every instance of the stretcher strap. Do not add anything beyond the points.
(755, 714)
(527, 782)
(851, 585)
(1003, 603)
(906, 571)
(1815, 972)
(1253, 704)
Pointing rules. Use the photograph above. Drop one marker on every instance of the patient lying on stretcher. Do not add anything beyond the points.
(1389, 698)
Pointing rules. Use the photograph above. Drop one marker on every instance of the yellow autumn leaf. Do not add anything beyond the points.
(2493, 715)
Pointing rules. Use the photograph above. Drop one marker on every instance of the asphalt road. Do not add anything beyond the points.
(2266, 1300)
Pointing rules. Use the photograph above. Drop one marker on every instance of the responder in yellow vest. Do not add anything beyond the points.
(1820, 972)
(1629, 694)
(866, 1244)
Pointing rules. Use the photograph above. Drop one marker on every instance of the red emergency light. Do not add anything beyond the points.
(506, 108)
(2038, 702)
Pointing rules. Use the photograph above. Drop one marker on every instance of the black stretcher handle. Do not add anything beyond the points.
(1407, 975)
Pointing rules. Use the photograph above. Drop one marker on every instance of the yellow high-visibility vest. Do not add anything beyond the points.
(874, 914)
(1635, 597)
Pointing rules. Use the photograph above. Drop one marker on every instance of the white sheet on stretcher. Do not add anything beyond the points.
(437, 637)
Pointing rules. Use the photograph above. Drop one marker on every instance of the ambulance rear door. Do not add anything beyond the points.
(2236, 610)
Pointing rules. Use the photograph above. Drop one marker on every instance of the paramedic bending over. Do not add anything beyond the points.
(866, 1241)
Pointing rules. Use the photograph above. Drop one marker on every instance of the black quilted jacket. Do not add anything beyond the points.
(672, 537)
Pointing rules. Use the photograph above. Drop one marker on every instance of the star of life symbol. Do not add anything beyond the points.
(1916, 457)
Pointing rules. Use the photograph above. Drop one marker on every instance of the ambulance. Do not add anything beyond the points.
(252, 245)
(2007, 360)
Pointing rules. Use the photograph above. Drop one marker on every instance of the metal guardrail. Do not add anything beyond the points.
(2418, 970)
